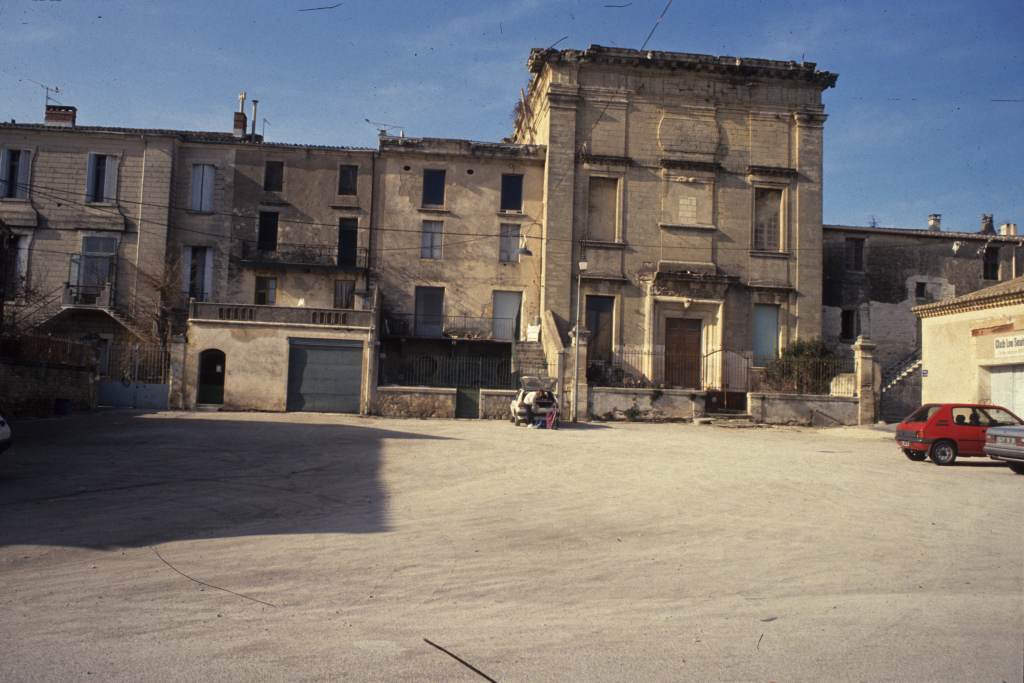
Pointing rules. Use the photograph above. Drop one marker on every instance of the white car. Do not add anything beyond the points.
(534, 400)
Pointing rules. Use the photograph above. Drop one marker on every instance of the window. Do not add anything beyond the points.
(766, 333)
(512, 192)
(921, 290)
(94, 269)
(14, 173)
(850, 324)
(344, 294)
(602, 209)
(855, 254)
(430, 239)
(197, 272)
(924, 413)
(348, 176)
(767, 219)
(273, 176)
(101, 181)
(348, 241)
(990, 265)
(598, 319)
(266, 291)
(996, 417)
(202, 187)
(266, 239)
(509, 249)
(13, 268)
(433, 187)
(429, 318)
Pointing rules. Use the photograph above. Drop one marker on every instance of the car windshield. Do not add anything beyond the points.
(923, 414)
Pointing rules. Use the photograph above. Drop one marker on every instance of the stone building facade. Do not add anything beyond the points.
(690, 187)
(667, 203)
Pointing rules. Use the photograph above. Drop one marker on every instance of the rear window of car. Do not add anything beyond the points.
(997, 417)
(923, 414)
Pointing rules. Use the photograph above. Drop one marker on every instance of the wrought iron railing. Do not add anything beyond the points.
(93, 296)
(37, 348)
(294, 315)
(440, 370)
(823, 376)
(450, 327)
(714, 370)
(305, 255)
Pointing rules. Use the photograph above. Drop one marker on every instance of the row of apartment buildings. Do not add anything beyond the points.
(669, 204)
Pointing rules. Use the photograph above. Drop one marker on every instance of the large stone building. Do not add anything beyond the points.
(668, 203)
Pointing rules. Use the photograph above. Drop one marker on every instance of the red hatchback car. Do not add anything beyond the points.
(945, 431)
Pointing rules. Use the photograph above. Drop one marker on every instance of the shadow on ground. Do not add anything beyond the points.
(125, 479)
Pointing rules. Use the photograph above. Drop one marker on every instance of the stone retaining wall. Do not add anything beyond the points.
(415, 402)
(612, 403)
(31, 389)
(494, 403)
(802, 409)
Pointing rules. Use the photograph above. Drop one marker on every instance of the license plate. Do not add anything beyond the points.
(905, 444)
(1005, 440)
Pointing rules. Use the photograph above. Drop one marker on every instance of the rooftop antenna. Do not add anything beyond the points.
(263, 130)
(241, 102)
(383, 128)
(48, 88)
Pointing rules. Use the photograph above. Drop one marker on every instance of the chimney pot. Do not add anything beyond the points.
(60, 115)
(240, 124)
(986, 224)
(1009, 229)
(935, 221)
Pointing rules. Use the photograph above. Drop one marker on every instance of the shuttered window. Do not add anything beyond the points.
(101, 180)
(15, 166)
(202, 187)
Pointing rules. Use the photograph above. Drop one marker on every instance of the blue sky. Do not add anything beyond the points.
(914, 124)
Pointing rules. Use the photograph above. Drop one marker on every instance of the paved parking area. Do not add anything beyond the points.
(181, 546)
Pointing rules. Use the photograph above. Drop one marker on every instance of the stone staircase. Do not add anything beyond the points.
(900, 370)
(901, 388)
(528, 359)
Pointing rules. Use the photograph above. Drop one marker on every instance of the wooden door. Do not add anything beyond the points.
(682, 353)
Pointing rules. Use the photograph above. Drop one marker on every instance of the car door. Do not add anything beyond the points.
(967, 429)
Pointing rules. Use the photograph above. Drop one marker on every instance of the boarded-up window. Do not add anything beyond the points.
(767, 219)
(688, 201)
(602, 209)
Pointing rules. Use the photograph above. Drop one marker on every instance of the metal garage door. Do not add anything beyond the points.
(1007, 388)
(324, 376)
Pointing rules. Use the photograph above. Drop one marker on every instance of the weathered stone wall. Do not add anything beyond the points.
(415, 402)
(611, 403)
(802, 409)
(495, 403)
(31, 389)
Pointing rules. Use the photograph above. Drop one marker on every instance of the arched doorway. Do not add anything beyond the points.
(211, 377)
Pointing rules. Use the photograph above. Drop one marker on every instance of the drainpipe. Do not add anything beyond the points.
(576, 348)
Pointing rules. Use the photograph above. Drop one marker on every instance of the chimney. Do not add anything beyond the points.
(935, 222)
(254, 103)
(59, 115)
(240, 121)
(986, 224)
(1009, 229)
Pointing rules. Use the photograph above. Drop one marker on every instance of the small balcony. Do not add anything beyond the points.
(422, 326)
(88, 296)
(283, 315)
(303, 256)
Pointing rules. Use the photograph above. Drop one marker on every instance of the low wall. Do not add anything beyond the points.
(494, 403)
(802, 409)
(31, 389)
(415, 402)
(612, 403)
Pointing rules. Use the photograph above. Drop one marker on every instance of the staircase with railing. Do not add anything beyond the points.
(901, 387)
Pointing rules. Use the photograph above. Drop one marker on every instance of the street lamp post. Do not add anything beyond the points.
(581, 268)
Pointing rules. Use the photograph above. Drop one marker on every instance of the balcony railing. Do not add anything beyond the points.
(88, 296)
(449, 327)
(319, 255)
(288, 315)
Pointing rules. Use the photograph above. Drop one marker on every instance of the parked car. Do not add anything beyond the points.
(1007, 445)
(943, 432)
(6, 436)
(535, 399)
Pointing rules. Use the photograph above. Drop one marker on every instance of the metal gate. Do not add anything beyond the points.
(324, 375)
(135, 376)
(726, 376)
(467, 374)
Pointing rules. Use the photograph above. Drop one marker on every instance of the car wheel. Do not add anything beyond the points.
(916, 456)
(1017, 467)
(943, 453)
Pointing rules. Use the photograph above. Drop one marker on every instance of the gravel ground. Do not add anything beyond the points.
(179, 546)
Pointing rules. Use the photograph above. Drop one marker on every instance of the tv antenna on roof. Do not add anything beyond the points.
(383, 128)
(48, 88)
